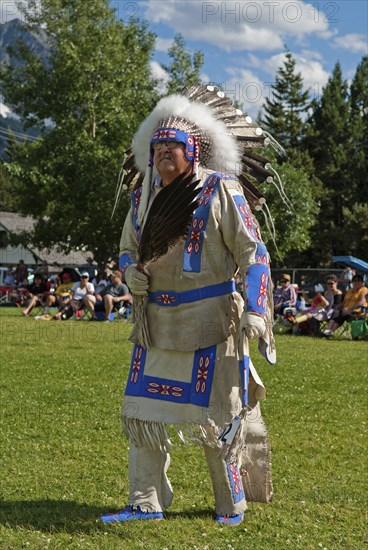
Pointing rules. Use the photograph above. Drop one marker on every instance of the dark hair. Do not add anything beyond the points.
(357, 278)
(331, 278)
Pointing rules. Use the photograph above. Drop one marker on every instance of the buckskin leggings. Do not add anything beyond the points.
(151, 489)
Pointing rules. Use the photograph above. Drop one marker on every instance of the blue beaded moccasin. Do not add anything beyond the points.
(230, 520)
(130, 514)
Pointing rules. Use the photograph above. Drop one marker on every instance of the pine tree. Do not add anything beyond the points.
(358, 131)
(283, 112)
(355, 212)
(282, 116)
(327, 143)
(93, 90)
(184, 69)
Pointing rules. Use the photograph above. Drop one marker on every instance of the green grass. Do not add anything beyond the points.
(65, 459)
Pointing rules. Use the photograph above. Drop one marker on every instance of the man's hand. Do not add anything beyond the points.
(136, 280)
(253, 325)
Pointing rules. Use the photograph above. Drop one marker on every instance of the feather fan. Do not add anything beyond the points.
(168, 218)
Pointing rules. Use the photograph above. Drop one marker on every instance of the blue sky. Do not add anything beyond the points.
(243, 41)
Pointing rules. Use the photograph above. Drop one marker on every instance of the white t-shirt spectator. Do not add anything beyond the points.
(80, 293)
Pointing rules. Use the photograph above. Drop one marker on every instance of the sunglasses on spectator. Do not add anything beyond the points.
(170, 144)
(331, 282)
(284, 281)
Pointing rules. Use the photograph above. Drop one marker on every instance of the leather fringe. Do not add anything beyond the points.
(199, 434)
(147, 433)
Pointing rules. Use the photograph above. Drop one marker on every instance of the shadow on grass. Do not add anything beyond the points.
(68, 516)
(51, 515)
(190, 514)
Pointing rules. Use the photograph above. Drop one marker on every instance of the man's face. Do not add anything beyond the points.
(357, 284)
(284, 283)
(115, 280)
(170, 161)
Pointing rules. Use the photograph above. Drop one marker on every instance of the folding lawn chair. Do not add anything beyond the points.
(343, 332)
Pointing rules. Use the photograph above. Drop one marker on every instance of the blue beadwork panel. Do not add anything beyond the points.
(196, 392)
(246, 216)
(125, 260)
(256, 282)
(194, 243)
(202, 376)
(236, 483)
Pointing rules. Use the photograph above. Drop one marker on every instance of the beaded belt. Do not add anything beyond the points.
(172, 298)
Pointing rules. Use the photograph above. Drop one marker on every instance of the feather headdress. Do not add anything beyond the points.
(227, 142)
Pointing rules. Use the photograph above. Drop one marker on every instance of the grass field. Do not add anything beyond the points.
(65, 459)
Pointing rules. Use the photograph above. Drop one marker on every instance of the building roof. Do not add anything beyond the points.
(15, 223)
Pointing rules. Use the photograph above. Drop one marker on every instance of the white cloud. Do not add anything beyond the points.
(308, 63)
(160, 75)
(354, 42)
(311, 54)
(313, 73)
(235, 26)
(248, 88)
(163, 44)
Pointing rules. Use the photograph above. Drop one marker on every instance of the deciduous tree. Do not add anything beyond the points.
(184, 69)
(87, 98)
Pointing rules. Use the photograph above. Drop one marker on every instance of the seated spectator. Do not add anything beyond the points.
(78, 293)
(18, 296)
(61, 295)
(284, 296)
(355, 299)
(333, 295)
(109, 297)
(9, 279)
(35, 292)
(100, 281)
(318, 304)
(21, 273)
